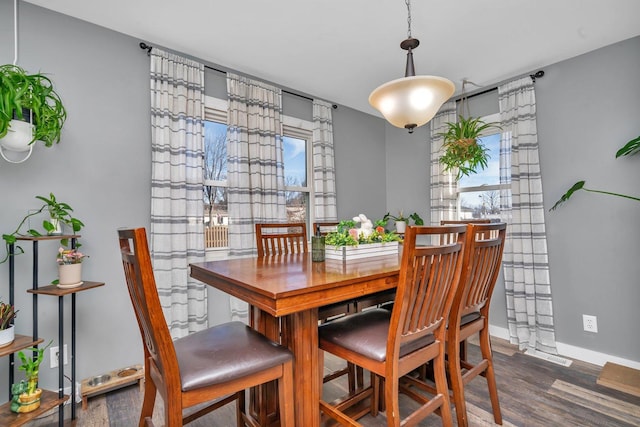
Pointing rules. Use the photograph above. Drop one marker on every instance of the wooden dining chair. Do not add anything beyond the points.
(281, 239)
(393, 343)
(207, 369)
(469, 315)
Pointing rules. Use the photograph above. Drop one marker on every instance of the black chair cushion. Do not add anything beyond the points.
(366, 333)
(471, 317)
(225, 352)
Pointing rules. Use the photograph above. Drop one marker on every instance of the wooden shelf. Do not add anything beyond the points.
(47, 237)
(19, 343)
(48, 401)
(56, 291)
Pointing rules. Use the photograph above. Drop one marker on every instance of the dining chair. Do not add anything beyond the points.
(281, 239)
(207, 369)
(392, 343)
(469, 315)
(277, 239)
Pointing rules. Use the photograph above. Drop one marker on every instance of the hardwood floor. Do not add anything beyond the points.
(532, 391)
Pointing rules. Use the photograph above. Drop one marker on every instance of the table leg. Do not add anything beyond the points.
(303, 342)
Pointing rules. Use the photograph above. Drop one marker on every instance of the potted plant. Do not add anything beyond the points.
(7, 333)
(360, 237)
(26, 395)
(69, 268)
(462, 150)
(402, 221)
(32, 98)
(630, 148)
(59, 213)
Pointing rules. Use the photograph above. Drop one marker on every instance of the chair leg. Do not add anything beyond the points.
(485, 349)
(440, 378)
(285, 391)
(148, 401)
(240, 409)
(392, 403)
(457, 386)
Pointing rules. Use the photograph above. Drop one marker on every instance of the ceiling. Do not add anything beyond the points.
(340, 50)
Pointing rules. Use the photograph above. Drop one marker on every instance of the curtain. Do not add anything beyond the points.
(525, 260)
(324, 172)
(177, 141)
(444, 186)
(255, 168)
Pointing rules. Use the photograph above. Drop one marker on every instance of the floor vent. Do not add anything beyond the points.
(558, 360)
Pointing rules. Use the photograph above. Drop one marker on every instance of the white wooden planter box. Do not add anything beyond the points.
(346, 253)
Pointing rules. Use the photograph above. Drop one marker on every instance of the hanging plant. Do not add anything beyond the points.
(25, 95)
(462, 148)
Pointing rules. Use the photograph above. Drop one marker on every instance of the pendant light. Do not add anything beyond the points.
(413, 100)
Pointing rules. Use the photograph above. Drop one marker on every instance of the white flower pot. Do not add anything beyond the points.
(69, 275)
(7, 336)
(17, 140)
(401, 226)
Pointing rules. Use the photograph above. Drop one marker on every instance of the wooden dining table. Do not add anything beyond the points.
(284, 293)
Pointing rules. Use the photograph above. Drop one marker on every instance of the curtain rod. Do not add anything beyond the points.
(148, 48)
(537, 75)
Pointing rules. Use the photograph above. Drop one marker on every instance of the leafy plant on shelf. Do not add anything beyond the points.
(348, 234)
(630, 148)
(59, 213)
(7, 314)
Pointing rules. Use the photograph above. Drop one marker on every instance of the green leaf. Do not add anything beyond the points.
(577, 186)
(631, 147)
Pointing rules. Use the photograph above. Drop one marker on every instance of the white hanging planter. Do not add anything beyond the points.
(17, 141)
(7, 336)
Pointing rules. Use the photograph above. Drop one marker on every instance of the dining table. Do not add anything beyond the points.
(284, 293)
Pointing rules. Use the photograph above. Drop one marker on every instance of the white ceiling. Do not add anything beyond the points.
(340, 50)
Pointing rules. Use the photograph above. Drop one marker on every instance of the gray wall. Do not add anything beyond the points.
(588, 107)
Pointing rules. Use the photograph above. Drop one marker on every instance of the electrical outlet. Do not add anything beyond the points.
(54, 356)
(590, 323)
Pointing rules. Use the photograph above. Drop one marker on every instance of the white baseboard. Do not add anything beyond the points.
(573, 352)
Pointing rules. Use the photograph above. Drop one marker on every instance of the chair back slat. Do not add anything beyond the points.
(481, 267)
(429, 276)
(281, 239)
(141, 284)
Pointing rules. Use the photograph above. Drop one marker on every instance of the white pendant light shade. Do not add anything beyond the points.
(411, 101)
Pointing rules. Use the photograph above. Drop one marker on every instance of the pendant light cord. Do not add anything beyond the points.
(408, 3)
(15, 32)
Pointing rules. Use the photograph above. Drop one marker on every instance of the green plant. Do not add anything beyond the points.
(414, 216)
(34, 92)
(630, 148)
(7, 314)
(31, 365)
(58, 211)
(462, 150)
(347, 234)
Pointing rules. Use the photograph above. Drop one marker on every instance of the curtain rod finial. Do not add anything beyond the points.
(146, 47)
(537, 75)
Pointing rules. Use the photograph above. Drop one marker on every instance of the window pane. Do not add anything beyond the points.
(215, 151)
(216, 217)
(491, 174)
(480, 204)
(295, 162)
(297, 203)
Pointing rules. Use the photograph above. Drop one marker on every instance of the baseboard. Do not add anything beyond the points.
(574, 352)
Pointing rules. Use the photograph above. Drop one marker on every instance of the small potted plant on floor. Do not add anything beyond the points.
(26, 394)
(7, 314)
(462, 150)
(30, 110)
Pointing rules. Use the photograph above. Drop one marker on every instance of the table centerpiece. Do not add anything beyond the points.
(361, 238)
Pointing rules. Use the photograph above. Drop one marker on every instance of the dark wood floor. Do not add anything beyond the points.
(533, 392)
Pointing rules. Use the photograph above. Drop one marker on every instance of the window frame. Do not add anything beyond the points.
(215, 110)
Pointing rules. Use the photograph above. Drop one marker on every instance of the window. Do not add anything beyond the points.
(479, 194)
(297, 172)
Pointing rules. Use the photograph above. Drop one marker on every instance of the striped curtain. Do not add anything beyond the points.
(444, 186)
(177, 238)
(255, 168)
(525, 260)
(324, 171)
